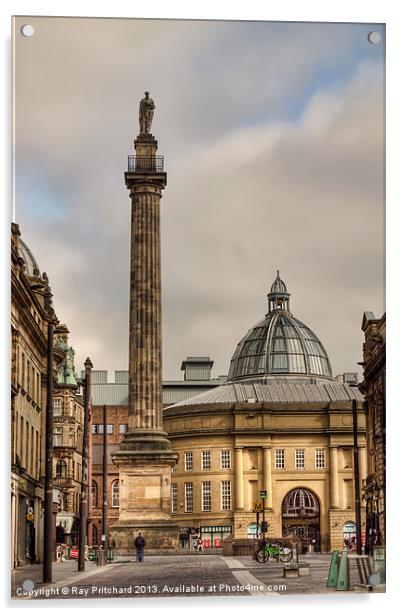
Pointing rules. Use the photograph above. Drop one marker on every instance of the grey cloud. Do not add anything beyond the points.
(243, 198)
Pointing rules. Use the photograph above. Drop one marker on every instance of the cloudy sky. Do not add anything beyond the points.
(273, 137)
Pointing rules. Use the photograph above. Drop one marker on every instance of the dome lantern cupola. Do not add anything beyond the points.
(279, 346)
(278, 297)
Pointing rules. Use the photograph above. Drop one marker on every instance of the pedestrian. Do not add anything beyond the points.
(200, 546)
(139, 546)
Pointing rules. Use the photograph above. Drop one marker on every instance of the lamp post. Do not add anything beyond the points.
(357, 480)
(48, 536)
(104, 485)
(85, 457)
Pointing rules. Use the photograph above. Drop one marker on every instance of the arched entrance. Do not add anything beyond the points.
(60, 534)
(301, 518)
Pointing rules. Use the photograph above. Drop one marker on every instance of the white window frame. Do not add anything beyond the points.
(57, 437)
(226, 459)
(226, 495)
(206, 460)
(320, 460)
(300, 459)
(206, 496)
(188, 461)
(57, 406)
(174, 498)
(188, 496)
(116, 498)
(279, 459)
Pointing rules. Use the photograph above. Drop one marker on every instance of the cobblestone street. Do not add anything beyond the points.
(194, 575)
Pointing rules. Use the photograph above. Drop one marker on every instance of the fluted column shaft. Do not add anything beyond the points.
(334, 479)
(145, 348)
(239, 480)
(267, 475)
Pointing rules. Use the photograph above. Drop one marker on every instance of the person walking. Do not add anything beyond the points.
(139, 546)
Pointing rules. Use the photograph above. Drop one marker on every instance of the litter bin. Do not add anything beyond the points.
(102, 557)
(379, 563)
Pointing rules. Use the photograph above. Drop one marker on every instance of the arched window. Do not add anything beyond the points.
(94, 493)
(61, 469)
(115, 493)
(300, 502)
(94, 534)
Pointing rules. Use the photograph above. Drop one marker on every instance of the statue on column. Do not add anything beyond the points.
(147, 107)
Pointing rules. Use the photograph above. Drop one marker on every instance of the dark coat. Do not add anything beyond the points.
(139, 543)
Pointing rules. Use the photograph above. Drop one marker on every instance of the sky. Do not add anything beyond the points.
(273, 138)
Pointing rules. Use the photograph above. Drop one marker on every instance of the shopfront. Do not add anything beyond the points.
(213, 536)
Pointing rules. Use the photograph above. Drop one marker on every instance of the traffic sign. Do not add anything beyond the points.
(263, 494)
(257, 506)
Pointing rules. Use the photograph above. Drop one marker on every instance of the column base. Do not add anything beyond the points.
(158, 534)
(144, 444)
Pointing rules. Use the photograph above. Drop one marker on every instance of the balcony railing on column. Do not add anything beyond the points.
(145, 164)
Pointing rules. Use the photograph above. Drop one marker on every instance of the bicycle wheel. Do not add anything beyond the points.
(261, 556)
(285, 555)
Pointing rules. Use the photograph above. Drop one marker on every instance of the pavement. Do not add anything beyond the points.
(173, 576)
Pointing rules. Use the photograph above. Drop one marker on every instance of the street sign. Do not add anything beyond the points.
(263, 494)
(257, 506)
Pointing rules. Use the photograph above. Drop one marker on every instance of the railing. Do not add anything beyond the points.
(65, 482)
(145, 164)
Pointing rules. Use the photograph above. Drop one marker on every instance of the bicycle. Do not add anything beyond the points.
(275, 552)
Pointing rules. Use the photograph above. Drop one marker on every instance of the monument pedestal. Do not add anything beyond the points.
(144, 499)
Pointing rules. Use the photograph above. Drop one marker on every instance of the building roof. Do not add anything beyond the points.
(31, 265)
(279, 345)
(286, 392)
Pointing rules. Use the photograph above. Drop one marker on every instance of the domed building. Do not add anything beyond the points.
(280, 424)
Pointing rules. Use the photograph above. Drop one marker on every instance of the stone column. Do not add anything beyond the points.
(239, 480)
(334, 478)
(144, 457)
(267, 475)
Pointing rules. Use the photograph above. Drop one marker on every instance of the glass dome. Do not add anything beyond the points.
(279, 345)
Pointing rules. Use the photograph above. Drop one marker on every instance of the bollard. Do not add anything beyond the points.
(333, 570)
(102, 557)
(343, 575)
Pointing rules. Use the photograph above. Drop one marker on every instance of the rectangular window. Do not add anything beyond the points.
(320, 458)
(206, 460)
(57, 437)
(279, 458)
(37, 458)
(225, 459)
(188, 460)
(26, 444)
(109, 428)
(174, 498)
(123, 428)
(23, 371)
(99, 428)
(226, 495)
(174, 468)
(115, 494)
(299, 458)
(206, 495)
(94, 428)
(32, 445)
(188, 497)
(57, 406)
(21, 438)
(38, 396)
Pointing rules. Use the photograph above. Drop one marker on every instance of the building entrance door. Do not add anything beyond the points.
(301, 519)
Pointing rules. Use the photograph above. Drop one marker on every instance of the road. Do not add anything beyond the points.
(172, 576)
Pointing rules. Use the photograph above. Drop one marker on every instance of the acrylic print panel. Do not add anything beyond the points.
(169, 175)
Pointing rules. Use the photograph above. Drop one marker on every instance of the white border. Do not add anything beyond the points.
(343, 10)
